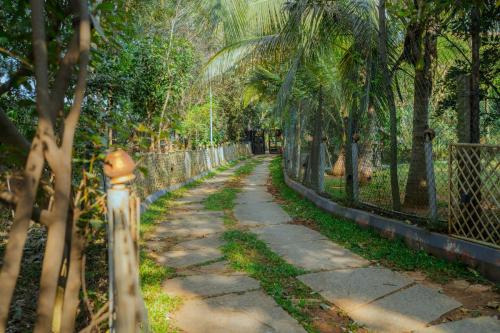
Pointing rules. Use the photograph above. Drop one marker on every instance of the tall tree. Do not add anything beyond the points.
(420, 51)
(389, 101)
(52, 144)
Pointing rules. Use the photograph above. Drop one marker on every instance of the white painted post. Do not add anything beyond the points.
(119, 219)
(127, 310)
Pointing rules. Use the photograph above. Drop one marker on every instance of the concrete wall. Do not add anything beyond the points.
(158, 172)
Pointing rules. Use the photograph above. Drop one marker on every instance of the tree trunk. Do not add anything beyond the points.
(290, 139)
(296, 156)
(10, 136)
(351, 130)
(475, 29)
(315, 156)
(416, 186)
(365, 167)
(389, 96)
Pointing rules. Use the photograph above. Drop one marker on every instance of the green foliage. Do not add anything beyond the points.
(159, 304)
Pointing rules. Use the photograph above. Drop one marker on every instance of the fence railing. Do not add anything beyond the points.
(158, 171)
(474, 192)
(462, 190)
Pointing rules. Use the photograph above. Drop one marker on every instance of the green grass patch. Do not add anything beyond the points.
(246, 168)
(229, 220)
(367, 243)
(159, 304)
(246, 253)
(222, 199)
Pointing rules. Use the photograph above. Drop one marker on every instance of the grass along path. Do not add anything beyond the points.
(153, 274)
(246, 253)
(392, 253)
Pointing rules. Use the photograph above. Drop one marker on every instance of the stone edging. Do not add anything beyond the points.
(485, 259)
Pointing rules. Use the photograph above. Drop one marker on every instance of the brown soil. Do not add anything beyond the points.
(331, 320)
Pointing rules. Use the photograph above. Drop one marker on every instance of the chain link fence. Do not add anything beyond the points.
(462, 187)
(374, 180)
(157, 171)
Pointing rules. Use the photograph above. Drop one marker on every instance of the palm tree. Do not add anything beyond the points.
(305, 30)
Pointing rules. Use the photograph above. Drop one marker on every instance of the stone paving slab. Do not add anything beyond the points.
(219, 267)
(351, 288)
(210, 242)
(209, 285)
(193, 219)
(249, 195)
(201, 229)
(194, 198)
(251, 312)
(193, 214)
(185, 258)
(469, 325)
(192, 252)
(284, 234)
(260, 213)
(405, 310)
(318, 255)
(188, 206)
(257, 179)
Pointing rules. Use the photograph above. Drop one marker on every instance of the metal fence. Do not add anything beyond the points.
(462, 188)
(158, 171)
(474, 192)
(374, 183)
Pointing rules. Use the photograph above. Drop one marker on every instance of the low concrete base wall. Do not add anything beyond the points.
(160, 185)
(158, 172)
(482, 258)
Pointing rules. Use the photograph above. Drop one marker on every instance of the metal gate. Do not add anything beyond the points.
(474, 194)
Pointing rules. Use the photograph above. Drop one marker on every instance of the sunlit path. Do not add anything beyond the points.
(214, 297)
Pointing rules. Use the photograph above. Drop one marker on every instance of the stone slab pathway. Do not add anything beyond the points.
(215, 298)
(352, 288)
(469, 325)
(236, 313)
(381, 299)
